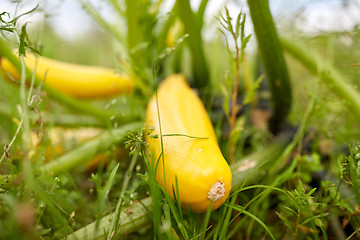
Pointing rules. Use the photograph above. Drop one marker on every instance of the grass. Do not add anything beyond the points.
(293, 147)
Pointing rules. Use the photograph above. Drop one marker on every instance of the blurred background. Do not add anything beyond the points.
(70, 22)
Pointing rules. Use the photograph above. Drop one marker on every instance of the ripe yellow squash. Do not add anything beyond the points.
(191, 152)
(77, 80)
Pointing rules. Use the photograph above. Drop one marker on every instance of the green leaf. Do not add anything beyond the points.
(321, 215)
(22, 43)
(291, 210)
(285, 221)
(238, 25)
(308, 195)
(104, 194)
(242, 209)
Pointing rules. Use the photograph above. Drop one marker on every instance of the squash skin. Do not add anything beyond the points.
(80, 81)
(197, 164)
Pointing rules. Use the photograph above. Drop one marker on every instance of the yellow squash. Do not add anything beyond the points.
(202, 172)
(77, 80)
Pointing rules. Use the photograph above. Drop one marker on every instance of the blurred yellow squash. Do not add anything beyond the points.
(77, 80)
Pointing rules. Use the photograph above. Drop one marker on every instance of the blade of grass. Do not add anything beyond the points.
(273, 60)
(204, 227)
(177, 214)
(226, 220)
(240, 208)
(102, 196)
(116, 219)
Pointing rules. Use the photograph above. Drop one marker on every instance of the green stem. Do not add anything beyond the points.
(330, 75)
(26, 140)
(109, 28)
(8, 146)
(134, 33)
(136, 217)
(193, 28)
(74, 103)
(273, 61)
(201, 11)
(88, 150)
(161, 42)
(114, 223)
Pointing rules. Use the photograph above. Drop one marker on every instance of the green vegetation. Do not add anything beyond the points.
(286, 115)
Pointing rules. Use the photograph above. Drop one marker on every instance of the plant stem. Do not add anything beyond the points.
(201, 11)
(8, 146)
(132, 219)
(234, 107)
(297, 223)
(116, 219)
(109, 28)
(193, 28)
(334, 80)
(134, 33)
(88, 150)
(274, 63)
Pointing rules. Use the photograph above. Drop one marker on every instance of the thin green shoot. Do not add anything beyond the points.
(103, 195)
(177, 214)
(204, 227)
(240, 208)
(237, 33)
(178, 135)
(176, 194)
(116, 219)
(226, 220)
